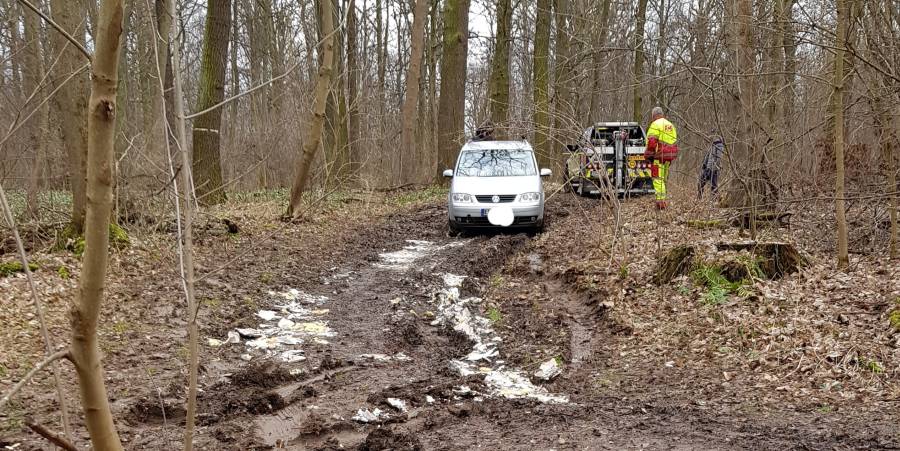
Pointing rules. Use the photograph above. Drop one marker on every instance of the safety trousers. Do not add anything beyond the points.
(660, 171)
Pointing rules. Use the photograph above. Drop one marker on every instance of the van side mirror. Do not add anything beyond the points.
(546, 172)
(448, 172)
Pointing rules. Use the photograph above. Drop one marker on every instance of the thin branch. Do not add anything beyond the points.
(50, 435)
(58, 28)
(61, 354)
(36, 299)
(15, 126)
(245, 93)
(257, 87)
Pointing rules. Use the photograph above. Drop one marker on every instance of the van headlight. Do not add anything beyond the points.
(530, 197)
(461, 198)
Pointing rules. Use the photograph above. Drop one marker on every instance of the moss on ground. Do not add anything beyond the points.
(894, 318)
(10, 268)
(69, 240)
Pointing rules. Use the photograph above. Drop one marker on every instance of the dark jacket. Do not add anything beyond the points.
(713, 156)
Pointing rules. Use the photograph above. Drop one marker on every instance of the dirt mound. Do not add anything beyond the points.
(387, 439)
(155, 411)
(246, 392)
(261, 375)
(407, 334)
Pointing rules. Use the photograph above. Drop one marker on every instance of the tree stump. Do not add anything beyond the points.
(678, 261)
(776, 259)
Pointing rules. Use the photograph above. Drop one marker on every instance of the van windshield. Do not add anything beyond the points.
(496, 163)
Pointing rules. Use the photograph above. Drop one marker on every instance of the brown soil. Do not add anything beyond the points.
(644, 366)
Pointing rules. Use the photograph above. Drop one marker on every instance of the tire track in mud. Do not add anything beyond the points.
(379, 309)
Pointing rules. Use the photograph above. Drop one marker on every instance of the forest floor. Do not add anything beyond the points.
(367, 327)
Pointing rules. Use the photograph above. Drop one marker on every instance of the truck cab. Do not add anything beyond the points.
(609, 155)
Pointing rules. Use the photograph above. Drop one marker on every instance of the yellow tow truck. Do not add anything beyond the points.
(609, 156)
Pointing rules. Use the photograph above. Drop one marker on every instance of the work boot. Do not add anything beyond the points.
(661, 205)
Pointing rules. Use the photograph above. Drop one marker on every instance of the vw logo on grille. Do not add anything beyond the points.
(495, 199)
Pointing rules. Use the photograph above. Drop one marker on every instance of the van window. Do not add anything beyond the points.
(496, 163)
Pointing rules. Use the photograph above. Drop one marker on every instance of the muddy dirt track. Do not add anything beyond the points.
(394, 336)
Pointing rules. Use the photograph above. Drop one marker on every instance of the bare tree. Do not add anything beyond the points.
(499, 90)
(451, 105)
(36, 126)
(411, 99)
(541, 82)
(71, 103)
(843, 260)
(85, 353)
(207, 160)
(317, 122)
(638, 72)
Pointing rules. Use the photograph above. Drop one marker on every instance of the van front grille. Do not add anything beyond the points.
(488, 198)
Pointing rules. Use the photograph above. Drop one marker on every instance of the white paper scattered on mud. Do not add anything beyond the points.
(398, 404)
(368, 416)
(457, 314)
(414, 250)
(287, 326)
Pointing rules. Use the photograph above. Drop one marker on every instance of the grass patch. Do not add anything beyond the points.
(872, 365)
(493, 314)
(429, 194)
(14, 420)
(9, 268)
(718, 287)
(249, 197)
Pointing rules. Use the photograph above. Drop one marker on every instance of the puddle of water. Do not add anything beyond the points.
(458, 314)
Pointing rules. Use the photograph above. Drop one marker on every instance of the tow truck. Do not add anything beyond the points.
(609, 156)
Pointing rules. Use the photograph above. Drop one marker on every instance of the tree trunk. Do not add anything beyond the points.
(597, 54)
(637, 111)
(409, 118)
(891, 157)
(353, 107)
(163, 49)
(843, 260)
(541, 84)
(207, 162)
(100, 159)
(499, 82)
(71, 104)
(335, 139)
(563, 114)
(34, 74)
(314, 133)
(452, 102)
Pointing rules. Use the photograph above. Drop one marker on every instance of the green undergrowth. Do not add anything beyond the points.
(894, 316)
(429, 194)
(10, 268)
(53, 206)
(72, 242)
(249, 197)
(731, 277)
(493, 314)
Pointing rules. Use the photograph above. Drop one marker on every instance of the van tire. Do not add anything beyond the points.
(452, 230)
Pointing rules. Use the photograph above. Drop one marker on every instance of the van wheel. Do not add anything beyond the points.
(452, 230)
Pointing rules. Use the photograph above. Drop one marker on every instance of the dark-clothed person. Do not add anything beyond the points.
(709, 172)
